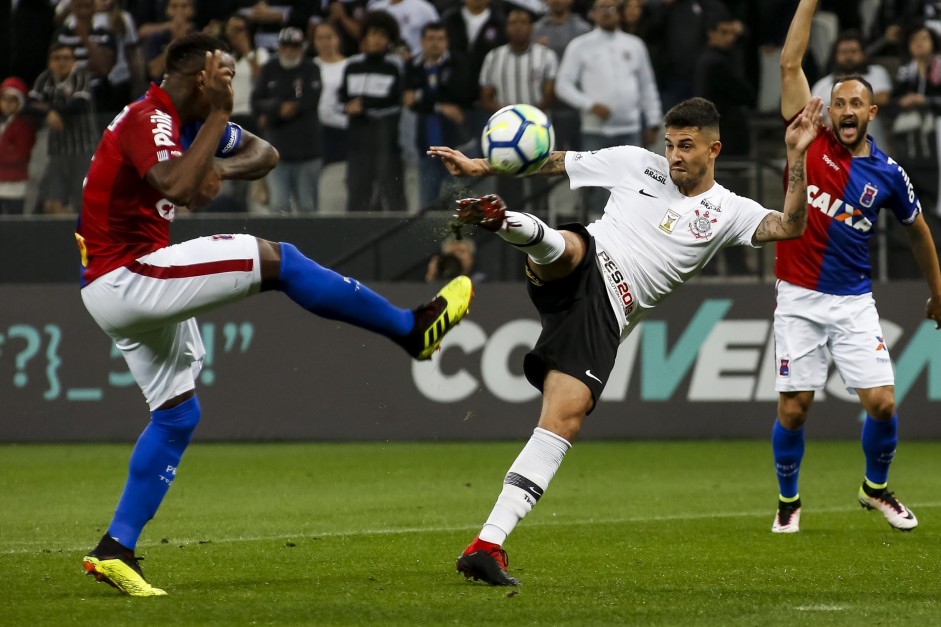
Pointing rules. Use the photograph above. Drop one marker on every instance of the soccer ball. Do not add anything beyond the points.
(518, 139)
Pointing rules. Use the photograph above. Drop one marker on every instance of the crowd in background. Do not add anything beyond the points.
(351, 92)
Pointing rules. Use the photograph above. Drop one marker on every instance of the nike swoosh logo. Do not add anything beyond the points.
(643, 193)
(588, 372)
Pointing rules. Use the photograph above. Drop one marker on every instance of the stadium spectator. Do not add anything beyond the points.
(333, 119)
(412, 15)
(635, 19)
(593, 285)
(248, 63)
(158, 37)
(269, 18)
(824, 305)
(474, 29)
(916, 103)
(372, 95)
(126, 80)
(458, 257)
(679, 27)
(285, 100)
(606, 74)
(347, 18)
(63, 94)
(437, 89)
(17, 137)
(555, 30)
(720, 77)
(144, 293)
(520, 72)
(94, 45)
(849, 57)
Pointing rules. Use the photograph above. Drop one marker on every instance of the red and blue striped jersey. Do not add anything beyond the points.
(123, 217)
(844, 196)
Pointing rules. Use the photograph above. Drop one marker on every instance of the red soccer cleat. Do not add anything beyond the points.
(485, 561)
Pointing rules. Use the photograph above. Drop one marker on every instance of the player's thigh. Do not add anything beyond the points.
(175, 283)
(164, 361)
(858, 345)
(800, 340)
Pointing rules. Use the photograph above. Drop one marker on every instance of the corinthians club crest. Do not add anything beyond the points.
(701, 225)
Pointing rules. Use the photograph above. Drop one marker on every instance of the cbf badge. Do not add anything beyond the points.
(701, 225)
(869, 195)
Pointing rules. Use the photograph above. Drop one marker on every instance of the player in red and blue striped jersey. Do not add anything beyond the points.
(824, 291)
(160, 152)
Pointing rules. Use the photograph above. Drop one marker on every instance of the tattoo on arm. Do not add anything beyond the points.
(554, 166)
(789, 223)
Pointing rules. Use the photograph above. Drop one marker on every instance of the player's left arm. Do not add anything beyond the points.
(253, 159)
(790, 223)
(919, 237)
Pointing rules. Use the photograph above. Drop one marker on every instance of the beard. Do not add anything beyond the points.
(289, 63)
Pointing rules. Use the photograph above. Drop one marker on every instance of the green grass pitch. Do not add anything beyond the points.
(630, 533)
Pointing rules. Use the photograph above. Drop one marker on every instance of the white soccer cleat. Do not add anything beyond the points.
(896, 514)
(788, 517)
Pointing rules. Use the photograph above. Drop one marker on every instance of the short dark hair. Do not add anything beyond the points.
(859, 78)
(432, 26)
(382, 21)
(850, 35)
(184, 51)
(59, 45)
(693, 113)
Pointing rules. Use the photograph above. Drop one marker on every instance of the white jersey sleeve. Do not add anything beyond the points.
(601, 168)
(746, 216)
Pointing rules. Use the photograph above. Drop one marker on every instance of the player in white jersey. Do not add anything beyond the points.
(665, 218)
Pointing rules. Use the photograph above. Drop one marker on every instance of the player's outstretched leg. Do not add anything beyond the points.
(330, 295)
(531, 235)
(436, 317)
(117, 566)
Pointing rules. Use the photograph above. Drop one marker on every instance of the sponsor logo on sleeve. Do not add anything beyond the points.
(162, 128)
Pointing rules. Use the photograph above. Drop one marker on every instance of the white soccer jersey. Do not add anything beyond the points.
(656, 237)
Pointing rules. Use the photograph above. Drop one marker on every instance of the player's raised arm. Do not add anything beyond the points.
(795, 90)
(793, 220)
(181, 179)
(459, 164)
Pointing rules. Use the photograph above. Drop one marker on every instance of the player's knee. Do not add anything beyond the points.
(881, 407)
(181, 419)
(792, 411)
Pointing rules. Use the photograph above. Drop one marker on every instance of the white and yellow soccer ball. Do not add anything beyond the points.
(518, 139)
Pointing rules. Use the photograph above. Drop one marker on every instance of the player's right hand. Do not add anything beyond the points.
(459, 164)
(216, 81)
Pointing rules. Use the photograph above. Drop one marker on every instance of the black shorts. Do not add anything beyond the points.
(580, 335)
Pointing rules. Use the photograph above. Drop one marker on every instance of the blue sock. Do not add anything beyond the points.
(152, 469)
(880, 437)
(788, 447)
(330, 295)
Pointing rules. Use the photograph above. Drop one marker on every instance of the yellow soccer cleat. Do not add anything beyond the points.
(433, 320)
(122, 572)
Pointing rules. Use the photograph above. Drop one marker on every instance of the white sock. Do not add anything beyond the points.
(527, 479)
(531, 235)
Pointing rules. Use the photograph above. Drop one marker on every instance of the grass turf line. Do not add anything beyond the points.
(645, 533)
